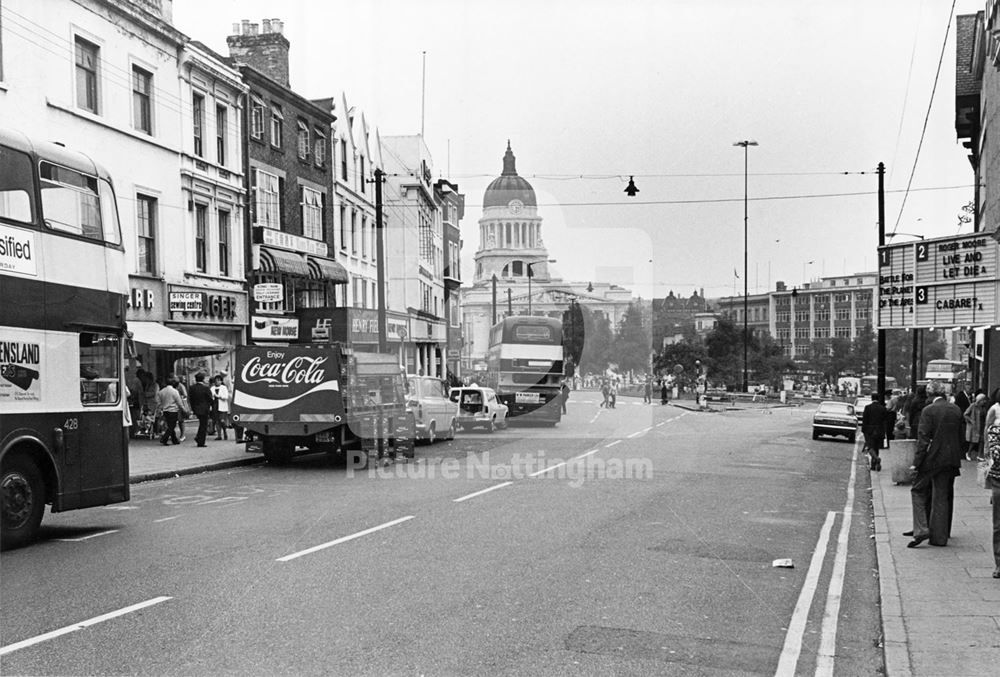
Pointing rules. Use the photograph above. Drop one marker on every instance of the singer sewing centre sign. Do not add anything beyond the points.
(940, 282)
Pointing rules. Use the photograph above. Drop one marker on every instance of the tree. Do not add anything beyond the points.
(864, 349)
(899, 353)
(724, 348)
(768, 361)
(631, 345)
(574, 336)
(685, 353)
(596, 347)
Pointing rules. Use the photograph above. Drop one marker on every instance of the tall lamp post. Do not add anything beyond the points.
(746, 331)
(530, 275)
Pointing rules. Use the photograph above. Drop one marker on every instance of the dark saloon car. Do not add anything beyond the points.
(835, 418)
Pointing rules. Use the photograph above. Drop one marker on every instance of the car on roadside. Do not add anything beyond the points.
(835, 419)
(859, 406)
(434, 414)
(479, 407)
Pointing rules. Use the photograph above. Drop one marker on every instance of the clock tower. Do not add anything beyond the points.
(510, 230)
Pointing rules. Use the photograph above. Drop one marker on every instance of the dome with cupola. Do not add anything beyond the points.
(509, 186)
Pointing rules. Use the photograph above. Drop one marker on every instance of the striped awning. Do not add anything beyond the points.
(326, 269)
(281, 261)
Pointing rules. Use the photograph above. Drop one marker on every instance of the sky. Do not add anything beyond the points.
(591, 92)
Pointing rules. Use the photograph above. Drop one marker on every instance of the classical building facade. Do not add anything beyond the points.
(513, 274)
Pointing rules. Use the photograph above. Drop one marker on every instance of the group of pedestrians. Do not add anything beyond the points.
(174, 403)
(945, 435)
(609, 391)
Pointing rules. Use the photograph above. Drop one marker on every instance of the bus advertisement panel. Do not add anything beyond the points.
(525, 367)
(63, 288)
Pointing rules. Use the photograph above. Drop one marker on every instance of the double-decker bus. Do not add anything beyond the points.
(869, 384)
(525, 366)
(952, 373)
(63, 291)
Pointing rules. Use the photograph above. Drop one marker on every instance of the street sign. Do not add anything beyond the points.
(268, 292)
(941, 282)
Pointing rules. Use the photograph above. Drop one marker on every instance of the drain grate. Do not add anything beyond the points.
(701, 651)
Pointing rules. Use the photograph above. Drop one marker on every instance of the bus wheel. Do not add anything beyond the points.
(23, 501)
(277, 451)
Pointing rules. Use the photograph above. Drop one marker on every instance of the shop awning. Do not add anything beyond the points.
(326, 269)
(280, 261)
(160, 337)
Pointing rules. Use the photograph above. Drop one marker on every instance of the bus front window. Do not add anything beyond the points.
(15, 186)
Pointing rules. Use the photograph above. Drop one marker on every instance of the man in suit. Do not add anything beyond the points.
(873, 428)
(200, 400)
(937, 461)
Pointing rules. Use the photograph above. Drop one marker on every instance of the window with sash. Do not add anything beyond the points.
(142, 102)
(221, 128)
(86, 74)
(224, 242)
(267, 199)
(319, 149)
(198, 121)
(303, 140)
(200, 238)
(146, 228)
(312, 213)
(256, 118)
(277, 125)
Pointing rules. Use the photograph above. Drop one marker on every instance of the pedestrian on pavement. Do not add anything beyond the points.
(962, 399)
(149, 391)
(200, 398)
(647, 395)
(220, 408)
(170, 406)
(564, 395)
(937, 462)
(182, 390)
(663, 392)
(975, 416)
(993, 474)
(873, 420)
(917, 404)
(612, 395)
(133, 390)
(605, 392)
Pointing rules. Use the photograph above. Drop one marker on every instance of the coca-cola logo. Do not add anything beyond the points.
(296, 370)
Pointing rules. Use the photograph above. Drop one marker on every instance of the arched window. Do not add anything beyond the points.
(506, 271)
(518, 268)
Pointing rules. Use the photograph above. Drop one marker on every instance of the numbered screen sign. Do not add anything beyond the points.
(939, 282)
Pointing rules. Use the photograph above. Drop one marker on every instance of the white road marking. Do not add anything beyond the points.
(611, 444)
(662, 423)
(635, 434)
(596, 415)
(585, 455)
(167, 519)
(542, 472)
(359, 534)
(828, 631)
(79, 626)
(797, 627)
(87, 538)
(121, 507)
(480, 493)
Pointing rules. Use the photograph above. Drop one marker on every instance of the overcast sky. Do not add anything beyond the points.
(590, 92)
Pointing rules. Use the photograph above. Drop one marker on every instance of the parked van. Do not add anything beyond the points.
(479, 407)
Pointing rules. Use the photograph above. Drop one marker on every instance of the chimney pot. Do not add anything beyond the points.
(244, 27)
(254, 28)
(236, 29)
(279, 25)
(267, 25)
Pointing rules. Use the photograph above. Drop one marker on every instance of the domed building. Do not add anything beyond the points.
(510, 247)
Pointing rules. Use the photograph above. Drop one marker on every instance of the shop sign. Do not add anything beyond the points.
(185, 301)
(141, 299)
(397, 328)
(949, 281)
(274, 328)
(268, 292)
(277, 238)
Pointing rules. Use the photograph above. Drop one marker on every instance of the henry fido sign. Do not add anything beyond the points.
(944, 282)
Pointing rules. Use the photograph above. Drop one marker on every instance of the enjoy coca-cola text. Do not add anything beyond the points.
(299, 369)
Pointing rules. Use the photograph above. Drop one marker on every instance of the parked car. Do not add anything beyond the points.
(433, 413)
(835, 418)
(479, 407)
(859, 407)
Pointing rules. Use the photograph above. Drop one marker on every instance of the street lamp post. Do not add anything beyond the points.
(746, 336)
(534, 263)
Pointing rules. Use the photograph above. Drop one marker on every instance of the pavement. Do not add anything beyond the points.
(149, 460)
(940, 605)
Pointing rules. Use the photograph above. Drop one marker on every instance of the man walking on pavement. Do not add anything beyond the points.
(169, 404)
(937, 461)
(200, 399)
(873, 428)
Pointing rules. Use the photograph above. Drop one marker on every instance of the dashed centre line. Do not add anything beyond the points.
(481, 492)
(79, 626)
(545, 470)
(87, 538)
(344, 539)
(611, 444)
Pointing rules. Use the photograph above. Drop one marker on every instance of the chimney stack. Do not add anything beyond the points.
(265, 51)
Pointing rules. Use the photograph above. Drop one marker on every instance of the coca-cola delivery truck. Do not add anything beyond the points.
(321, 398)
